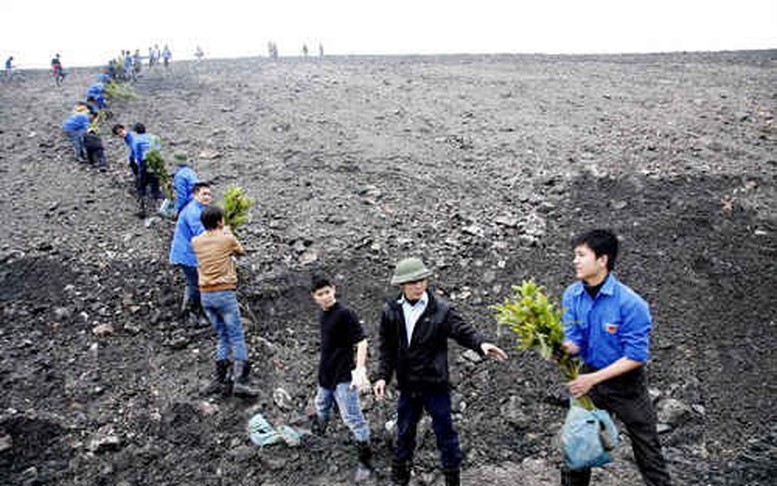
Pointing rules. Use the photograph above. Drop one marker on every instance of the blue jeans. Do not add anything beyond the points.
(223, 312)
(438, 405)
(77, 141)
(192, 284)
(348, 404)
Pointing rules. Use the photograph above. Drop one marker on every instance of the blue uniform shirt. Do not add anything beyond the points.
(142, 143)
(187, 227)
(129, 140)
(614, 325)
(77, 122)
(183, 182)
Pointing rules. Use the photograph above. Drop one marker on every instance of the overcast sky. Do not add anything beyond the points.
(92, 32)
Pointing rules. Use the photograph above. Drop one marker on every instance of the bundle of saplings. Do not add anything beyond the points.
(236, 207)
(536, 321)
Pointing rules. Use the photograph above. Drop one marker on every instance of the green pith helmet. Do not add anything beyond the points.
(181, 157)
(410, 270)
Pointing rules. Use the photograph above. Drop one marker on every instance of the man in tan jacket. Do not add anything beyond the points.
(218, 281)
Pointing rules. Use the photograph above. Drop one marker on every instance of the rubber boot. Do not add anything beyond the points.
(364, 453)
(577, 477)
(220, 382)
(240, 384)
(400, 473)
(452, 477)
(141, 208)
(318, 426)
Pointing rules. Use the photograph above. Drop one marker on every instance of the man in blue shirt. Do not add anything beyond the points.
(184, 179)
(608, 325)
(182, 255)
(128, 136)
(145, 177)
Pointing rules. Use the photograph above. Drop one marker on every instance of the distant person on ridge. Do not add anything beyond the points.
(340, 377)
(305, 50)
(167, 56)
(608, 325)
(199, 54)
(217, 276)
(182, 255)
(57, 70)
(8, 67)
(184, 180)
(414, 332)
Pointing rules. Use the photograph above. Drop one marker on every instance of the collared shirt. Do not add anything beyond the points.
(187, 227)
(412, 313)
(614, 324)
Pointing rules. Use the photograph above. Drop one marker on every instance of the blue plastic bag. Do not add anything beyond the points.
(588, 437)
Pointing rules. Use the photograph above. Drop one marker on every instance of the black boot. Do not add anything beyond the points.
(141, 208)
(318, 426)
(364, 452)
(400, 473)
(576, 477)
(220, 383)
(240, 384)
(452, 477)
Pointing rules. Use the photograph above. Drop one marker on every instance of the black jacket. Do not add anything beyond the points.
(425, 364)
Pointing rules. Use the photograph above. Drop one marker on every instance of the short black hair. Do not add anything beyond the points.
(199, 185)
(139, 128)
(319, 281)
(601, 242)
(116, 128)
(211, 216)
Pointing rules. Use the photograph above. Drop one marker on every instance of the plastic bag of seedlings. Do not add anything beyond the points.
(587, 438)
(167, 209)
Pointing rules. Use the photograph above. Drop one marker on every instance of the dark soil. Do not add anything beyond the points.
(484, 166)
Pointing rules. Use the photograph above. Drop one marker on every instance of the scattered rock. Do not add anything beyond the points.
(103, 329)
(6, 442)
(513, 412)
(672, 411)
(282, 399)
(105, 443)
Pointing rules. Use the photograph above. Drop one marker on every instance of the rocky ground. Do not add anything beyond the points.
(482, 165)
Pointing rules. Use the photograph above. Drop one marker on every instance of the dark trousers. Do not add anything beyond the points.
(96, 155)
(143, 179)
(438, 405)
(626, 396)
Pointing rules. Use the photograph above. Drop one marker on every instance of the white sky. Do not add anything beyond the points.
(91, 32)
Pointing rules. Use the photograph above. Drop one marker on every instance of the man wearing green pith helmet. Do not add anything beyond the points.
(414, 332)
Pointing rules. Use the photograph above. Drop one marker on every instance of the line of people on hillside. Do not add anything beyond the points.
(606, 324)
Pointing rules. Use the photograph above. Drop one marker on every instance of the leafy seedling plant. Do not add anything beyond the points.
(157, 165)
(236, 207)
(537, 323)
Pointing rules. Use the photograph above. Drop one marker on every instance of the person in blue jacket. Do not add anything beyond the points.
(128, 136)
(144, 178)
(608, 326)
(75, 127)
(184, 180)
(182, 255)
(97, 91)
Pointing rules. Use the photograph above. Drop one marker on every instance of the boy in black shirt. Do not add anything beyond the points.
(338, 379)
